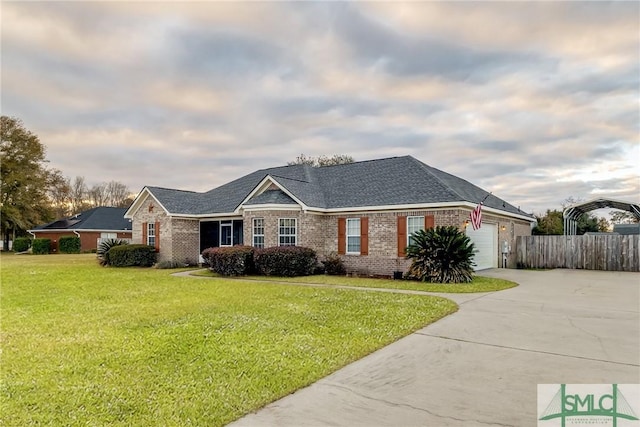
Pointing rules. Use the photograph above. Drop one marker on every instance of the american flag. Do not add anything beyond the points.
(476, 217)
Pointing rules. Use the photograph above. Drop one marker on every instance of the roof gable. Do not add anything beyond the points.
(271, 197)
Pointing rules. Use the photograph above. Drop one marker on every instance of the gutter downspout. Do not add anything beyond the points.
(28, 250)
(78, 234)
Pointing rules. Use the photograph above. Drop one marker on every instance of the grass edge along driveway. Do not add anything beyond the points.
(82, 344)
(479, 283)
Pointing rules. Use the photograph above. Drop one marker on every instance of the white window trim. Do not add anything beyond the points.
(151, 232)
(295, 235)
(254, 234)
(409, 233)
(224, 224)
(347, 235)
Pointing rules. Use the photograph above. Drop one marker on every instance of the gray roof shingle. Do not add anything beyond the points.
(382, 182)
(100, 218)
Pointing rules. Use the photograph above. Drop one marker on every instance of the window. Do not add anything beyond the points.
(414, 223)
(151, 234)
(258, 232)
(287, 232)
(226, 234)
(353, 235)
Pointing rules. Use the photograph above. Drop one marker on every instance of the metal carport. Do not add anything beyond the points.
(571, 214)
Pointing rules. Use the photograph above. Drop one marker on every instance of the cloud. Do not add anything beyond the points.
(534, 101)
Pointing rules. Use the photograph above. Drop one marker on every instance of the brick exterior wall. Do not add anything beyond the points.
(54, 237)
(383, 243)
(185, 240)
(179, 238)
(383, 240)
(88, 239)
(320, 232)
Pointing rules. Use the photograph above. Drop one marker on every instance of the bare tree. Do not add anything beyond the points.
(116, 193)
(98, 195)
(623, 217)
(79, 195)
(59, 192)
(336, 159)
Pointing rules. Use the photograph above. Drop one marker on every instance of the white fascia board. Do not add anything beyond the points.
(421, 206)
(138, 201)
(222, 217)
(214, 217)
(89, 230)
(498, 212)
(388, 207)
(80, 230)
(261, 187)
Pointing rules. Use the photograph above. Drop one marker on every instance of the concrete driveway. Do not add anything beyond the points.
(481, 365)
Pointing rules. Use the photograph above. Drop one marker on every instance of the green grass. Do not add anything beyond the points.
(479, 284)
(86, 345)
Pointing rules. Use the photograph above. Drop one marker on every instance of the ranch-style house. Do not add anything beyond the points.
(364, 211)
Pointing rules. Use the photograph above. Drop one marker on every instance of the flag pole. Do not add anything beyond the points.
(485, 197)
(476, 214)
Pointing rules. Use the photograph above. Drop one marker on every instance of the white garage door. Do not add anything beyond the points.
(485, 240)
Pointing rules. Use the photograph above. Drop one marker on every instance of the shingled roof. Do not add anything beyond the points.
(101, 218)
(375, 183)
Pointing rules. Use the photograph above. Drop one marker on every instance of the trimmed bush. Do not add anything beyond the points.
(333, 265)
(104, 247)
(131, 255)
(69, 245)
(233, 261)
(22, 244)
(41, 246)
(285, 261)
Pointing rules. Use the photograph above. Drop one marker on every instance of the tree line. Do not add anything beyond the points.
(33, 194)
(68, 197)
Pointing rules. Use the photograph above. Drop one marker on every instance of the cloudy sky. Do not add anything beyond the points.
(534, 101)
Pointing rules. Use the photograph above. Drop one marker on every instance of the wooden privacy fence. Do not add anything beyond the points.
(596, 252)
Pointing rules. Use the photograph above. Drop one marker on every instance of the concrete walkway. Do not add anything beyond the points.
(481, 365)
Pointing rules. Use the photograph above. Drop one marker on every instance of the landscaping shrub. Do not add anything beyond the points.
(131, 255)
(441, 255)
(285, 261)
(22, 244)
(69, 245)
(104, 247)
(41, 246)
(333, 265)
(233, 261)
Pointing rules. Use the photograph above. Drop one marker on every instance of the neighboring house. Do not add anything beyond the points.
(364, 211)
(91, 226)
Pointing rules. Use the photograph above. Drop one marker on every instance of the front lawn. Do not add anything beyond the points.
(86, 345)
(479, 284)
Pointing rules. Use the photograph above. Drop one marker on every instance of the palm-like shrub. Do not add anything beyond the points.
(104, 247)
(441, 255)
